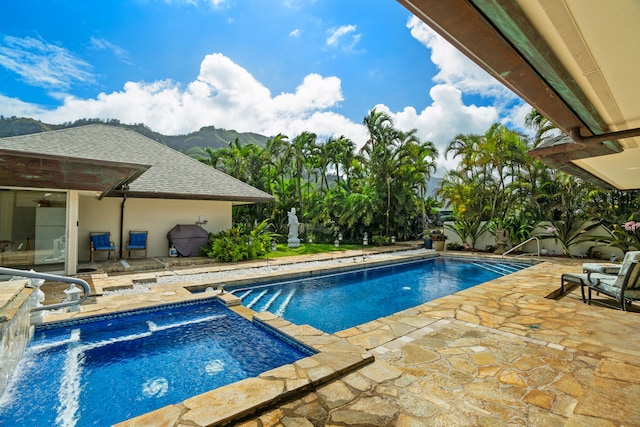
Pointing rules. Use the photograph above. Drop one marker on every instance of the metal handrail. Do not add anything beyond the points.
(53, 277)
(522, 244)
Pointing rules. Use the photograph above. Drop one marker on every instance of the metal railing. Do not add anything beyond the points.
(53, 277)
(522, 244)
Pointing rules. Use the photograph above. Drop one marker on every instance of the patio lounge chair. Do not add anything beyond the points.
(101, 242)
(137, 242)
(624, 287)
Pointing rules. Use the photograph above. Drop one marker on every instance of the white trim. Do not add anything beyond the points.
(73, 214)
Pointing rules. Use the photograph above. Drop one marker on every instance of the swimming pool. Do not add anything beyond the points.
(336, 302)
(105, 371)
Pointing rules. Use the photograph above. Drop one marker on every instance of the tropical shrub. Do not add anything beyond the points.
(453, 246)
(380, 240)
(469, 229)
(520, 227)
(240, 243)
(570, 234)
(625, 237)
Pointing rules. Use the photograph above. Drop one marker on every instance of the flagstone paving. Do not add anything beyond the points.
(497, 354)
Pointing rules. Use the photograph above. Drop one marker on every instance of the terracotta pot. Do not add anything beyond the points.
(438, 245)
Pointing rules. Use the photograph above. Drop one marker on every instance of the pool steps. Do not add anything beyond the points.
(501, 268)
(258, 303)
(285, 304)
(264, 300)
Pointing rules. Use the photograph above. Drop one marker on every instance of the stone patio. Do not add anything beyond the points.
(498, 354)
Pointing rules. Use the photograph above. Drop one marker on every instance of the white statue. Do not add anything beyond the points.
(293, 241)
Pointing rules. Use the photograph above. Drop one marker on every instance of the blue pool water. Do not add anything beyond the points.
(103, 372)
(339, 301)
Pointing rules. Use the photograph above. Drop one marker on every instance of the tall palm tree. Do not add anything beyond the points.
(272, 153)
(299, 151)
(379, 151)
(339, 152)
(422, 164)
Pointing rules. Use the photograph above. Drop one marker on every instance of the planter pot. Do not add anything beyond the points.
(438, 245)
(428, 244)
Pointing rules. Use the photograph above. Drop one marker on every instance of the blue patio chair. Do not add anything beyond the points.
(101, 242)
(137, 242)
(624, 287)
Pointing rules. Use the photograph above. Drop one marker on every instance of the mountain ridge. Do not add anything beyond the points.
(192, 144)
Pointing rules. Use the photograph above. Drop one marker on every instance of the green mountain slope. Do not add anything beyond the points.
(191, 144)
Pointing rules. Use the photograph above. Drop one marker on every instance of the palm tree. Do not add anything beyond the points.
(339, 152)
(421, 165)
(299, 151)
(214, 156)
(379, 151)
(272, 153)
(542, 126)
(568, 195)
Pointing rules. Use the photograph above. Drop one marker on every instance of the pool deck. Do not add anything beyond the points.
(498, 354)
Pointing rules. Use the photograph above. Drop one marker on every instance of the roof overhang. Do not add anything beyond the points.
(575, 61)
(23, 169)
(236, 200)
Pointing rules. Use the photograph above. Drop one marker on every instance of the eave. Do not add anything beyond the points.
(22, 169)
(550, 54)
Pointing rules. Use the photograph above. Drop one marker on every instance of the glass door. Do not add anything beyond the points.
(33, 229)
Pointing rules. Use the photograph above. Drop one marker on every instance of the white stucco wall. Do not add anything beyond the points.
(156, 216)
(551, 245)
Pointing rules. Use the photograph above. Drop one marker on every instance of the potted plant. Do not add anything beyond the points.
(438, 238)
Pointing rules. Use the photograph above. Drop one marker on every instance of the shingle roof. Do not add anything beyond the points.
(172, 174)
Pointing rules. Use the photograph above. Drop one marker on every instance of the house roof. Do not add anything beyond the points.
(151, 169)
(575, 61)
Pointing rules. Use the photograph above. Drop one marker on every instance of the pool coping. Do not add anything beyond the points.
(336, 356)
(599, 340)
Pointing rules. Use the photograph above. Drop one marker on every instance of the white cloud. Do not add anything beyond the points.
(460, 72)
(103, 44)
(515, 119)
(43, 64)
(445, 118)
(337, 33)
(455, 68)
(342, 37)
(15, 107)
(216, 4)
(295, 4)
(295, 33)
(224, 94)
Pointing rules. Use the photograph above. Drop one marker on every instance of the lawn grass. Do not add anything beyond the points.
(308, 249)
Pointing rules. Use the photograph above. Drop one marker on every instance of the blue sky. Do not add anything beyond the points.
(264, 66)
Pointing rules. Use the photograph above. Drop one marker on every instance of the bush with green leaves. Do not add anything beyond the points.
(471, 229)
(453, 246)
(625, 237)
(379, 240)
(240, 243)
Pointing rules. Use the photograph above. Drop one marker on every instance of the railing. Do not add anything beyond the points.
(52, 277)
(522, 244)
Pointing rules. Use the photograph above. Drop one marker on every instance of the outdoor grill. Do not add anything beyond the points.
(188, 239)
